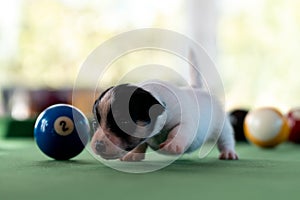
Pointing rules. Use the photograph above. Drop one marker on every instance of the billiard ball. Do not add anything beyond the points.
(237, 118)
(266, 127)
(61, 131)
(293, 117)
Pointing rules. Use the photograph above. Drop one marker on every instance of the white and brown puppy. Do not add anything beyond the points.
(169, 119)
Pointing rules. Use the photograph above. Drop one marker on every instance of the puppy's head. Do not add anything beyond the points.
(127, 116)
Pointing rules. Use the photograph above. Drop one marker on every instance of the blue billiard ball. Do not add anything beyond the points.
(61, 131)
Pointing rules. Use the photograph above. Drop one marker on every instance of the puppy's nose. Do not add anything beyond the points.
(100, 146)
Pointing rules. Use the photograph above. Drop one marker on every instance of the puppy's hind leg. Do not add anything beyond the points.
(226, 143)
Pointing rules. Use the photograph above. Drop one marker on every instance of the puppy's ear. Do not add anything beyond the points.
(144, 106)
(141, 104)
(132, 107)
(95, 106)
(147, 109)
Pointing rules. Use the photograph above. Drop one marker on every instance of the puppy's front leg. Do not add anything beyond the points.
(176, 143)
(137, 154)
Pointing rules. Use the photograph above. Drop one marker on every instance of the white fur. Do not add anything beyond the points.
(195, 114)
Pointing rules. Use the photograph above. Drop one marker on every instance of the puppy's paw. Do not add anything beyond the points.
(133, 157)
(227, 154)
(171, 147)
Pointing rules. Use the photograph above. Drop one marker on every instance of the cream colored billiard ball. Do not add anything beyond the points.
(266, 127)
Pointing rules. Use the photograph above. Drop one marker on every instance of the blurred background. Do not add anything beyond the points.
(255, 44)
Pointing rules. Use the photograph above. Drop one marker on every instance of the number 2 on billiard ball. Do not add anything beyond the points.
(63, 126)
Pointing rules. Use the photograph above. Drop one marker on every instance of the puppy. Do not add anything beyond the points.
(171, 120)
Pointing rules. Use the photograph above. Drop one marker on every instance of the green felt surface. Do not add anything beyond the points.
(10, 127)
(25, 173)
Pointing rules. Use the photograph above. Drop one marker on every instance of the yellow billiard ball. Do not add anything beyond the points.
(266, 127)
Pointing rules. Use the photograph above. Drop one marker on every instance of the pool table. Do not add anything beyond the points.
(25, 173)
